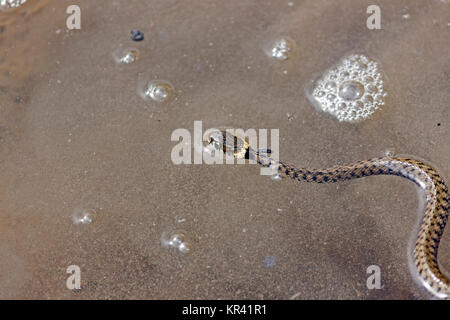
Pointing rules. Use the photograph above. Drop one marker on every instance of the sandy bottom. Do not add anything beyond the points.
(74, 134)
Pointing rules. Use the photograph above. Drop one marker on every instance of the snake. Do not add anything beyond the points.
(435, 216)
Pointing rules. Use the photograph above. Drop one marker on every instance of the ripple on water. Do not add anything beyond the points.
(352, 90)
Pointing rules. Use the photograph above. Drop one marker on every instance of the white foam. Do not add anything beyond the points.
(352, 90)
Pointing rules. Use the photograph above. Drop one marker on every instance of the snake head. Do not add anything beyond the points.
(228, 143)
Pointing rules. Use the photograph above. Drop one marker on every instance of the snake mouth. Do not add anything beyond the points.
(228, 143)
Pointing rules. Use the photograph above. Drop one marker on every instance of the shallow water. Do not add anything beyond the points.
(75, 135)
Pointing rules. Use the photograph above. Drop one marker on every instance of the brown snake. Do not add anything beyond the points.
(425, 253)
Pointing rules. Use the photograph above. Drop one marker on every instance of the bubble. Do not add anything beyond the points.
(9, 4)
(372, 89)
(351, 90)
(390, 152)
(281, 48)
(276, 177)
(359, 105)
(184, 247)
(83, 216)
(331, 85)
(126, 56)
(177, 240)
(361, 66)
(368, 98)
(364, 59)
(342, 105)
(156, 90)
(331, 96)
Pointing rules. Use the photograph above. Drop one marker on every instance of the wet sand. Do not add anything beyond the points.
(75, 134)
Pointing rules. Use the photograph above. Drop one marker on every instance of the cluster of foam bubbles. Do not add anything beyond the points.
(177, 240)
(156, 90)
(281, 48)
(126, 56)
(8, 4)
(83, 216)
(352, 90)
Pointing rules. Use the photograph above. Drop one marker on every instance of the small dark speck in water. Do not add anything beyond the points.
(137, 35)
(2, 29)
(438, 124)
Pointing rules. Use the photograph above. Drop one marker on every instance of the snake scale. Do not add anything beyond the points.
(425, 254)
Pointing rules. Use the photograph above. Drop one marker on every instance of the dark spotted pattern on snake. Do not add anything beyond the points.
(425, 254)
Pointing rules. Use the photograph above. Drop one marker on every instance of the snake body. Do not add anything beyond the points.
(425, 253)
(426, 247)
